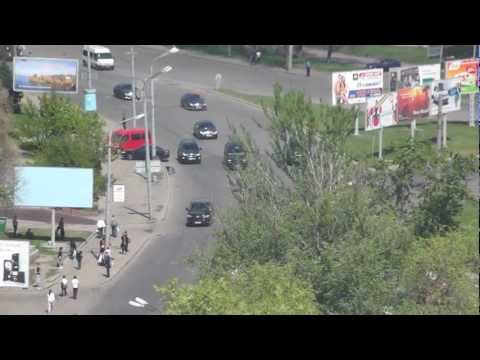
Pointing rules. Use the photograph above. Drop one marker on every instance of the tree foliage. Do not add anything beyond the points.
(260, 290)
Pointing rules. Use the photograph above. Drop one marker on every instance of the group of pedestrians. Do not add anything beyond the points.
(64, 292)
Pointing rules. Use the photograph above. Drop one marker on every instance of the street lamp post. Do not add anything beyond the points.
(173, 50)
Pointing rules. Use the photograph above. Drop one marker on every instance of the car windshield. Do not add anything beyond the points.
(126, 87)
(104, 56)
(195, 98)
(190, 147)
(198, 207)
(206, 124)
(235, 149)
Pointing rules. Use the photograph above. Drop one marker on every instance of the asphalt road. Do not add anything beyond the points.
(164, 256)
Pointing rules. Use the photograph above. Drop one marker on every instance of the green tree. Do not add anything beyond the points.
(260, 290)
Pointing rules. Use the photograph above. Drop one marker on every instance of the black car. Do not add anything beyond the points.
(124, 91)
(234, 155)
(140, 153)
(385, 64)
(189, 151)
(191, 101)
(205, 129)
(199, 213)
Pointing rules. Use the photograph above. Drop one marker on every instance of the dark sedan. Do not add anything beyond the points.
(199, 213)
(205, 129)
(191, 101)
(385, 64)
(140, 153)
(124, 91)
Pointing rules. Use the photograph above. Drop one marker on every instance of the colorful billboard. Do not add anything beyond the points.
(381, 111)
(14, 263)
(31, 74)
(354, 87)
(52, 187)
(448, 92)
(467, 71)
(413, 76)
(413, 102)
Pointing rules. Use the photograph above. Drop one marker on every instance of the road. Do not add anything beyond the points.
(164, 256)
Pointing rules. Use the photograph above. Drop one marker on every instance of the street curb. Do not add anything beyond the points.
(165, 211)
(234, 98)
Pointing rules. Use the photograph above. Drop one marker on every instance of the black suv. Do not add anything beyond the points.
(199, 213)
(234, 155)
(204, 129)
(191, 101)
(189, 151)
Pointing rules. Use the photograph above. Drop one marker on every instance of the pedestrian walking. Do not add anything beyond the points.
(123, 245)
(114, 226)
(79, 260)
(60, 258)
(73, 249)
(108, 263)
(100, 228)
(75, 283)
(15, 225)
(126, 240)
(37, 276)
(50, 300)
(61, 229)
(308, 67)
(64, 286)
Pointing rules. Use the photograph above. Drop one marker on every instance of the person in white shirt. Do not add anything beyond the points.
(75, 287)
(50, 300)
(64, 285)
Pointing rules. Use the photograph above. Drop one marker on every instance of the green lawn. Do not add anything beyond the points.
(469, 214)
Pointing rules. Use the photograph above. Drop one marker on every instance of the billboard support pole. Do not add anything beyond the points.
(380, 143)
(439, 123)
(356, 133)
(89, 68)
(413, 127)
(471, 112)
(444, 137)
(52, 236)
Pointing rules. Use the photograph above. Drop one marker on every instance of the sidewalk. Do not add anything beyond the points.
(130, 216)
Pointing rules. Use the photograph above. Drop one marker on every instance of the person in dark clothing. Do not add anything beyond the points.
(15, 225)
(124, 123)
(123, 244)
(61, 228)
(125, 241)
(60, 258)
(108, 263)
(79, 260)
(73, 248)
(308, 67)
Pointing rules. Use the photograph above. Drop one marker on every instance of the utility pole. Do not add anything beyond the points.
(89, 64)
(152, 96)
(380, 142)
(439, 123)
(109, 189)
(444, 136)
(471, 98)
(289, 57)
(229, 49)
(134, 98)
(147, 153)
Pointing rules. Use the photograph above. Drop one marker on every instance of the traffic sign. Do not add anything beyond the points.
(118, 193)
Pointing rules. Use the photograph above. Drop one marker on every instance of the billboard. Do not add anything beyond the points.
(413, 76)
(54, 187)
(449, 92)
(14, 263)
(466, 70)
(354, 87)
(413, 102)
(381, 111)
(33, 74)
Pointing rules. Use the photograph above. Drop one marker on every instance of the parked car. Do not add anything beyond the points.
(385, 64)
(205, 129)
(140, 153)
(124, 91)
(199, 213)
(192, 101)
(234, 155)
(189, 151)
(129, 139)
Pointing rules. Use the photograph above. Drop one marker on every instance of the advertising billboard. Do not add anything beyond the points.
(52, 187)
(354, 87)
(14, 263)
(467, 71)
(381, 111)
(448, 91)
(413, 102)
(33, 74)
(413, 76)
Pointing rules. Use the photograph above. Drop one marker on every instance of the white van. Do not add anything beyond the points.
(100, 57)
